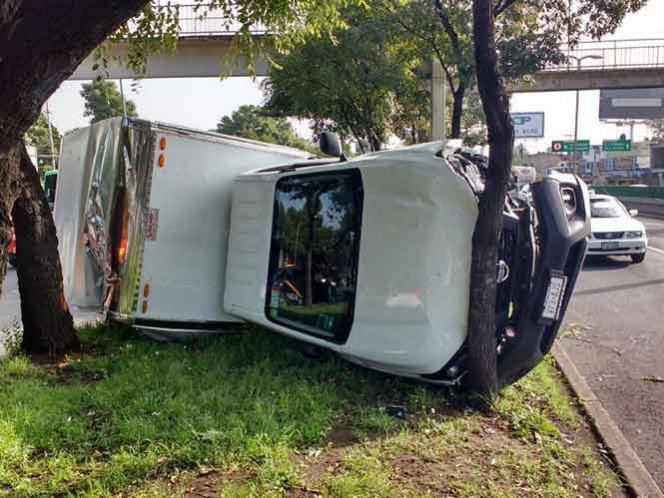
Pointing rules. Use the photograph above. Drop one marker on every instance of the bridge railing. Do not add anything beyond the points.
(200, 20)
(612, 54)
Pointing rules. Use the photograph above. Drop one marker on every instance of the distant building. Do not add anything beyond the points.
(600, 167)
(543, 162)
(656, 176)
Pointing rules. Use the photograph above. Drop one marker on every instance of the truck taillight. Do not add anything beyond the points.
(124, 239)
(122, 250)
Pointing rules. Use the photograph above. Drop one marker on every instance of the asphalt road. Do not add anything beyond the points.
(616, 340)
(10, 308)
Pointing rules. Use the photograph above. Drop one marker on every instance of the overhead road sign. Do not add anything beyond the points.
(633, 104)
(621, 145)
(528, 124)
(570, 146)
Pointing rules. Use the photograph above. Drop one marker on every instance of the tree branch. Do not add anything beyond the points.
(41, 46)
(449, 29)
(502, 6)
(465, 70)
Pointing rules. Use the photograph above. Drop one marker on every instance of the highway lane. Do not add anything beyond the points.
(10, 308)
(655, 232)
(616, 339)
(10, 305)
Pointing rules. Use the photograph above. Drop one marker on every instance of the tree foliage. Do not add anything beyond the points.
(155, 28)
(656, 128)
(356, 81)
(39, 137)
(103, 100)
(250, 121)
(443, 31)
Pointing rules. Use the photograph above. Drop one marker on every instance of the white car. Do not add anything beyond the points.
(614, 230)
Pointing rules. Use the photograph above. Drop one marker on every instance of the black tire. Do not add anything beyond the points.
(638, 258)
(12, 260)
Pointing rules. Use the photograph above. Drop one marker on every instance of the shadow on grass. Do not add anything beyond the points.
(130, 407)
(130, 414)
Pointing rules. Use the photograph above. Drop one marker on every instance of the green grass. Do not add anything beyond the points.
(254, 415)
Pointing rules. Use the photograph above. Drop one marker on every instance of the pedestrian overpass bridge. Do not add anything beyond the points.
(205, 41)
(204, 49)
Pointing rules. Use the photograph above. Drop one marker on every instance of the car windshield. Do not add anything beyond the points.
(606, 208)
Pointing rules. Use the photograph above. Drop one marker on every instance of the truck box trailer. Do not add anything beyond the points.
(142, 211)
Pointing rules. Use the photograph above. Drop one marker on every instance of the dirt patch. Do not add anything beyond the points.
(341, 436)
(208, 482)
(65, 374)
(315, 465)
(485, 458)
(48, 360)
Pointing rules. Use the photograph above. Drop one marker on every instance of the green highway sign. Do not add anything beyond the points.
(569, 146)
(617, 145)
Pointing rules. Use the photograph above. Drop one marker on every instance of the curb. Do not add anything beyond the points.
(637, 476)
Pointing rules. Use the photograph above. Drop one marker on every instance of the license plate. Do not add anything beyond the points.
(610, 245)
(554, 297)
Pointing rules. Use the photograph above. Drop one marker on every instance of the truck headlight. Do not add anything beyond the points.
(634, 235)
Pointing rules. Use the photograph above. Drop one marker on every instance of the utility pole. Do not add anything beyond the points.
(578, 60)
(438, 97)
(50, 138)
(576, 132)
(124, 103)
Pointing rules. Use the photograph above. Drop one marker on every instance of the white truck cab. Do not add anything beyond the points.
(371, 258)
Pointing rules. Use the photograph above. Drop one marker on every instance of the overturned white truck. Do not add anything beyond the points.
(142, 211)
(369, 257)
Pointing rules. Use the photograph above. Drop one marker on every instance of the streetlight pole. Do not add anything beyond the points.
(576, 112)
(576, 130)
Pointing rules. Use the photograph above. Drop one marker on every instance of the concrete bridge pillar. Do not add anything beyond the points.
(438, 97)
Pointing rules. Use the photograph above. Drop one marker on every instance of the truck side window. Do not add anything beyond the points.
(312, 277)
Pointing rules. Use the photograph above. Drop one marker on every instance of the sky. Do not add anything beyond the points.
(201, 102)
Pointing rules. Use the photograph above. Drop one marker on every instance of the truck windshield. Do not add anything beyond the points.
(314, 253)
(606, 208)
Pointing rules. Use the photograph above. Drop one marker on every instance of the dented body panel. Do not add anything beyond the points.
(142, 211)
(411, 302)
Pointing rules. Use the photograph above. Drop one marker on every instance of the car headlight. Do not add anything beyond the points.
(634, 235)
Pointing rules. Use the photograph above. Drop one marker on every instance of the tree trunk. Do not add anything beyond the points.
(9, 166)
(481, 377)
(41, 44)
(457, 111)
(48, 326)
(375, 142)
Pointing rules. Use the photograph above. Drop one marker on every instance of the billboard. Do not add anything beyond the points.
(641, 103)
(528, 124)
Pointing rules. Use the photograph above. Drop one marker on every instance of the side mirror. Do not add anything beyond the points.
(330, 146)
(633, 212)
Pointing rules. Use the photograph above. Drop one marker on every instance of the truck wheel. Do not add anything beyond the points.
(12, 260)
(638, 258)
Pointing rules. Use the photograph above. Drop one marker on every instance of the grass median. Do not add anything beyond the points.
(249, 415)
